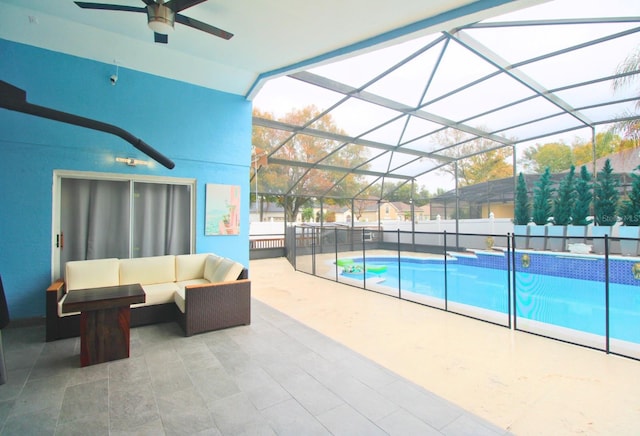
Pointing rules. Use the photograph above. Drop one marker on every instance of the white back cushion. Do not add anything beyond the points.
(148, 270)
(83, 274)
(227, 270)
(211, 265)
(190, 266)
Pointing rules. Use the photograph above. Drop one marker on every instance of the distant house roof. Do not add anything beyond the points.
(624, 162)
(266, 207)
(502, 190)
(401, 207)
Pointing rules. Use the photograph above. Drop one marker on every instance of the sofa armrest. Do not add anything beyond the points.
(53, 294)
(213, 306)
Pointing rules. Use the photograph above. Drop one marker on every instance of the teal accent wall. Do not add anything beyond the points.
(206, 133)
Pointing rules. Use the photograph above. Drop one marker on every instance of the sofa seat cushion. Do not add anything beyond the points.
(97, 273)
(60, 314)
(190, 266)
(186, 283)
(179, 296)
(159, 293)
(148, 270)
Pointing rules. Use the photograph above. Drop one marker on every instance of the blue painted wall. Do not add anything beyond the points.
(205, 132)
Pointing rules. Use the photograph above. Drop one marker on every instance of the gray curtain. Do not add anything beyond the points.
(161, 219)
(94, 219)
(96, 215)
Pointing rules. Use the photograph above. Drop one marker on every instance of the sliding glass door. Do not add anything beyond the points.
(102, 216)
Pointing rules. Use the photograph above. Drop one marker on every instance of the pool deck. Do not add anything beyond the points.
(526, 384)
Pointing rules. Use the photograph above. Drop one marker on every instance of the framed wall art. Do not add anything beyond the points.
(222, 210)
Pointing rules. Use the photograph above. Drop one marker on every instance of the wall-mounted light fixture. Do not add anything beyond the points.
(131, 161)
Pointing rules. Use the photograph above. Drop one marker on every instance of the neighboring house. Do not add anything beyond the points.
(271, 212)
(372, 210)
(342, 214)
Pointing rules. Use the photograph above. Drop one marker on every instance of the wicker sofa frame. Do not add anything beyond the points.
(207, 307)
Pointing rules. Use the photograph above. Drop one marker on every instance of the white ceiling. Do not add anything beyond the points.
(271, 37)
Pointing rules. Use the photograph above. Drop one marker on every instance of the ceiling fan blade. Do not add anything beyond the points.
(108, 7)
(181, 5)
(149, 2)
(160, 38)
(203, 26)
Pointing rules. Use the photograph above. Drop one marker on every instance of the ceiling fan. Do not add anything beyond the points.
(161, 16)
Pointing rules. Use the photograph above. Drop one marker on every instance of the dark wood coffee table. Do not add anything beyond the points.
(105, 316)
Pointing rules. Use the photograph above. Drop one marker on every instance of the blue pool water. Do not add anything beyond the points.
(566, 302)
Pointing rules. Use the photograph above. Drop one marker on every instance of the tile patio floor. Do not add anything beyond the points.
(275, 377)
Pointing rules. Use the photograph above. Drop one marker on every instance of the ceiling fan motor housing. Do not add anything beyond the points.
(160, 18)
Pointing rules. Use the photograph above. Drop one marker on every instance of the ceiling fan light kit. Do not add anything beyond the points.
(160, 18)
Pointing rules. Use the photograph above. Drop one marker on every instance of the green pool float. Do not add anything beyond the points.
(344, 262)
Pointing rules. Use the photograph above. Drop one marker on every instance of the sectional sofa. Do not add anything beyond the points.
(202, 292)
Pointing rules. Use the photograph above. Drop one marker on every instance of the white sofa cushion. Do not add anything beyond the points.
(159, 293)
(210, 266)
(98, 273)
(148, 270)
(190, 266)
(226, 270)
(60, 314)
(179, 298)
(185, 283)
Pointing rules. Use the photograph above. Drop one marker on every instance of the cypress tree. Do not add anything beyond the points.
(606, 193)
(542, 199)
(583, 199)
(565, 198)
(522, 212)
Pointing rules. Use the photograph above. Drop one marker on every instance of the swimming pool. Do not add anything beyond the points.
(573, 307)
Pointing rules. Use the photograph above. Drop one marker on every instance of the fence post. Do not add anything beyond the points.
(509, 277)
(364, 262)
(336, 256)
(446, 299)
(606, 291)
(313, 252)
(295, 247)
(399, 271)
(513, 281)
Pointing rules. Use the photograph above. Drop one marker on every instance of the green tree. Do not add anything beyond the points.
(559, 156)
(307, 214)
(565, 198)
(423, 196)
(630, 208)
(606, 196)
(479, 166)
(542, 199)
(400, 191)
(522, 212)
(583, 199)
(555, 156)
